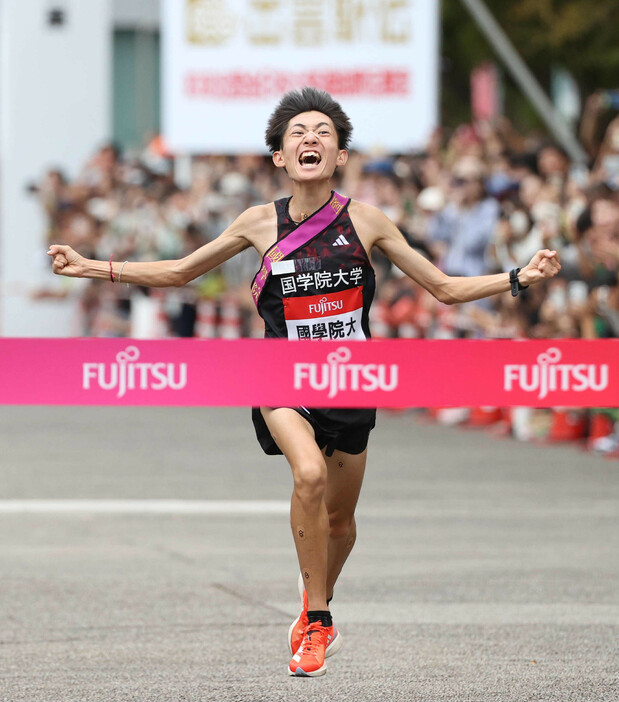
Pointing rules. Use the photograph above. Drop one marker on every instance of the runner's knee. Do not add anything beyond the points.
(310, 480)
(341, 524)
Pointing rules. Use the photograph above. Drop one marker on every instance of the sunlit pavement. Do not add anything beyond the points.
(484, 569)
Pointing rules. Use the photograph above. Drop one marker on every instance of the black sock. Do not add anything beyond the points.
(317, 616)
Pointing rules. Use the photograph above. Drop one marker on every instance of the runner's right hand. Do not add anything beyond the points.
(67, 262)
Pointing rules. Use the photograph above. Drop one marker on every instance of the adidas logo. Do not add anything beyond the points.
(340, 241)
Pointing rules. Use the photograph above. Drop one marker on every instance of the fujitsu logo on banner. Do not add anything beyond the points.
(338, 375)
(126, 374)
(324, 306)
(548, 375)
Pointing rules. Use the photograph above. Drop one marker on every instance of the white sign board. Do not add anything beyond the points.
(226, 63)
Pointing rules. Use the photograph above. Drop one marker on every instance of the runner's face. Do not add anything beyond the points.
(310, 150)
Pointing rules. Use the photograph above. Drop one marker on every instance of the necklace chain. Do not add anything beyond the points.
(304, 216)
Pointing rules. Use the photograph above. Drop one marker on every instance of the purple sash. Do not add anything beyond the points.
(305, 232)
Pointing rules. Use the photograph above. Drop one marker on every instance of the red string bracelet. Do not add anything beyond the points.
(111, 271)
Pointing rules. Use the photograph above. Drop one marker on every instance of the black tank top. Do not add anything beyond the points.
(324, 289)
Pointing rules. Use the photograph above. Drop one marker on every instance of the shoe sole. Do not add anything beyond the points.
(332, 648)
(300, 673)
(335, 645)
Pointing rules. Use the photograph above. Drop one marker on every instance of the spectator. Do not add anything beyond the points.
(483, 201)
(465, 227)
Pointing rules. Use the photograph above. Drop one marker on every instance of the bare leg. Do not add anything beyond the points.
(345, 475)
(308, 512)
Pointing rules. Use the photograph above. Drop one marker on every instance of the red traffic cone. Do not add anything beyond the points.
(162, 325)
(483, 416)
(230, 326)
(503, 428)
(567, 425)
(379, 320)
(600, 425)
(206, 322)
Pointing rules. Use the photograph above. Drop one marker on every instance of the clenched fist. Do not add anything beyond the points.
(67, 262)
(544, 265)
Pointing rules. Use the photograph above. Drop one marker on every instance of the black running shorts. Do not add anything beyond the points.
(345, 430)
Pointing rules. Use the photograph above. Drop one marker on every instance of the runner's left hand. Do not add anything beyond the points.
(543, 266)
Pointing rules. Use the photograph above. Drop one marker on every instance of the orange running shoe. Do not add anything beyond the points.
(298, 626)
(309, 660)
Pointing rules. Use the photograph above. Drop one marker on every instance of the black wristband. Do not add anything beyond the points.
(515, 283)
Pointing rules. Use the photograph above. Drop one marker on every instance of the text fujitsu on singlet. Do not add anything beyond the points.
(316, 282)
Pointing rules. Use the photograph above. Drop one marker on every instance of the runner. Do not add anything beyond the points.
(315, 282)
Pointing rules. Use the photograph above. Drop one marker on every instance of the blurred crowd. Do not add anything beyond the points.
(482, 199)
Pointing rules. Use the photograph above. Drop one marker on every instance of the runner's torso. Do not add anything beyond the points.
(322, 290)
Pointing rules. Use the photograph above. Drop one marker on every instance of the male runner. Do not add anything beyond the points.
(315, 281)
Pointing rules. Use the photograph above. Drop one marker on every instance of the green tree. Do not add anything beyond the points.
(579, 35)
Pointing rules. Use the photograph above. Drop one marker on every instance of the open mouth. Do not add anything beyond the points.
(310, 158)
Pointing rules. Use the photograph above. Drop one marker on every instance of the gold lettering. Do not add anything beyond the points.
(349, 20)
(307, 23)
(209, 22)
(265, 26)
(395, 21)
(275, 255)
(336, 205)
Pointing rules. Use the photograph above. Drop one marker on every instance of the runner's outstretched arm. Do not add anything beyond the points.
(160, 274)
(450, 289)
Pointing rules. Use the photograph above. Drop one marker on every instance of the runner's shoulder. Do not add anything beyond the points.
(366, 212)
(255, 222)
(370, 222)
(257, 215)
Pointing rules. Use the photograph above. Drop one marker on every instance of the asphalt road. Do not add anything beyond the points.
(484, 569)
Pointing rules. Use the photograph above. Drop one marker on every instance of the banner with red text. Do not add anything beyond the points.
(226, 63)
(275, 372)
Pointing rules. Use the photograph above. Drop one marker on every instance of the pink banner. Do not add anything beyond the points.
(398, 373)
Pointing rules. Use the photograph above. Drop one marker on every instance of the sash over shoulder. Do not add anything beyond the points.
(309, 229)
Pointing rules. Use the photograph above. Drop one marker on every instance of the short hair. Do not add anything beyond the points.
(584, 222)
(307, 99)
